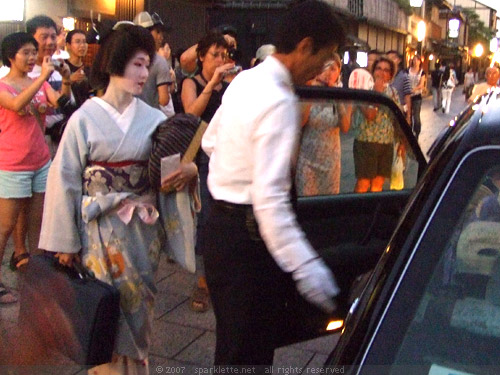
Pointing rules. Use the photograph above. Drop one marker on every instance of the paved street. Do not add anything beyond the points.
(184, 338)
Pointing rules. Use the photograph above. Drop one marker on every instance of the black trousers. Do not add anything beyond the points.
(249, 291)
(416, 105)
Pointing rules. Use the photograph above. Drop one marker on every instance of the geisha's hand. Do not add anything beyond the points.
(66, 259)
(180, 178)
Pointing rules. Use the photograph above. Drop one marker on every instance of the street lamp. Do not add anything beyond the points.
(478, 50)
(68, 23)
(421, 28)
(453, 27)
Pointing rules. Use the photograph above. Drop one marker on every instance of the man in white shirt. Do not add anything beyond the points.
(255, 252)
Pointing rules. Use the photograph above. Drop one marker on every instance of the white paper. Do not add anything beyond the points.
(169, 164)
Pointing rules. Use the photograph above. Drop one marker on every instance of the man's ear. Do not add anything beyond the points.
(306, 46)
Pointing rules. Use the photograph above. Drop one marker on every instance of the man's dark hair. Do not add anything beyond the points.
(12, 43)
(392, 51)
(227, 30)
(39, 21)
(212, 38)
(311, 18)
(69, 36)
(116, 51)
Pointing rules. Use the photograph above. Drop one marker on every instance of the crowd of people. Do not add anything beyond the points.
(75, 141)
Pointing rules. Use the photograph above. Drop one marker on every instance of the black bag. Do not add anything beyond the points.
(69, 310)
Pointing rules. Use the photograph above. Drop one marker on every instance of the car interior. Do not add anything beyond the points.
(456, 328)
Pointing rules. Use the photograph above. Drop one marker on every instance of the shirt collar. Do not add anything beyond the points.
(279, 70)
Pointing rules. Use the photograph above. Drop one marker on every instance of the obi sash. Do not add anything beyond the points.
(120, 177)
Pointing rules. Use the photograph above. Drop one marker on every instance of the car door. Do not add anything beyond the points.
(438, 307)
(348, 229)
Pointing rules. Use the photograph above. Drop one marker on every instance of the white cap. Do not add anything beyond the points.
(264, 51)
(145, 20)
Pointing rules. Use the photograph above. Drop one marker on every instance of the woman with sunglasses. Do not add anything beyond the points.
(202, 96)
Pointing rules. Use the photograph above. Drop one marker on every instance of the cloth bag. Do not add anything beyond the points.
(68, 310)
(179, 212)
(182, 134)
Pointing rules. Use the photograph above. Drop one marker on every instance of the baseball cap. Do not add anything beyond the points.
(147, 20)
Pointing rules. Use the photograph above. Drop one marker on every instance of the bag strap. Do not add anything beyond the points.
(37, 116)
(195, 143)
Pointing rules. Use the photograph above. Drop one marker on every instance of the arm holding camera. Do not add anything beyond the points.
(197, 104)
(17, 103)
(56, 98)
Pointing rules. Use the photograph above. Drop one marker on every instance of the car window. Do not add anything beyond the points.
(456, 328)
(349, 146)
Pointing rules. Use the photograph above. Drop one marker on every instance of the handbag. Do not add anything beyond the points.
(450, 83)
(68, 310)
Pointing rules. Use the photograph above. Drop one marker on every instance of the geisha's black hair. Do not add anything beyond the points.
(116, 50)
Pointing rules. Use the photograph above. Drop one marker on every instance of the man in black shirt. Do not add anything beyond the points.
(436, 77)
(76, 45)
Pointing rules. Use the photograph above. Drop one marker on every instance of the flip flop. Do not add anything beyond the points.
(200, 300)
(6, 297)
(16, 262)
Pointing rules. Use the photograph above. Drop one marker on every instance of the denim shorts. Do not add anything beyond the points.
(22, 184)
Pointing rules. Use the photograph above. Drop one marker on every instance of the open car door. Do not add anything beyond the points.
(349, 229)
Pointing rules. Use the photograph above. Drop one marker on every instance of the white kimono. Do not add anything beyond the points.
(98, 200)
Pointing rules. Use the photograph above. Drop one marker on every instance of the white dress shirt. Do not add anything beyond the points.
(251, 140)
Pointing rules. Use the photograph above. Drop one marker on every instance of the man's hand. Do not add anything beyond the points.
(77, 76)
(315, 282)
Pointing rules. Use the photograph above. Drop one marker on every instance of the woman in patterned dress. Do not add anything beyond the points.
(318, 166)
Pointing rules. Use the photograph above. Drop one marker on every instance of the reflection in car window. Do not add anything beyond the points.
(457, 325)
(334, 153)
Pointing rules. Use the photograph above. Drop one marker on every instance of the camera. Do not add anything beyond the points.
(57, 57)
(233, 54)
(234, 70)
(58, 64)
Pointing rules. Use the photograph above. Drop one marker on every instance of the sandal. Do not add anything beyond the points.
(16, 262)
(6, 296)
(200, 301)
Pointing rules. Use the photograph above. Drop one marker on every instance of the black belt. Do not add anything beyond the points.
(232, 207)
(243, 211)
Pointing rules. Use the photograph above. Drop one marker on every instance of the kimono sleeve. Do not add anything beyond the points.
(62, 221)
